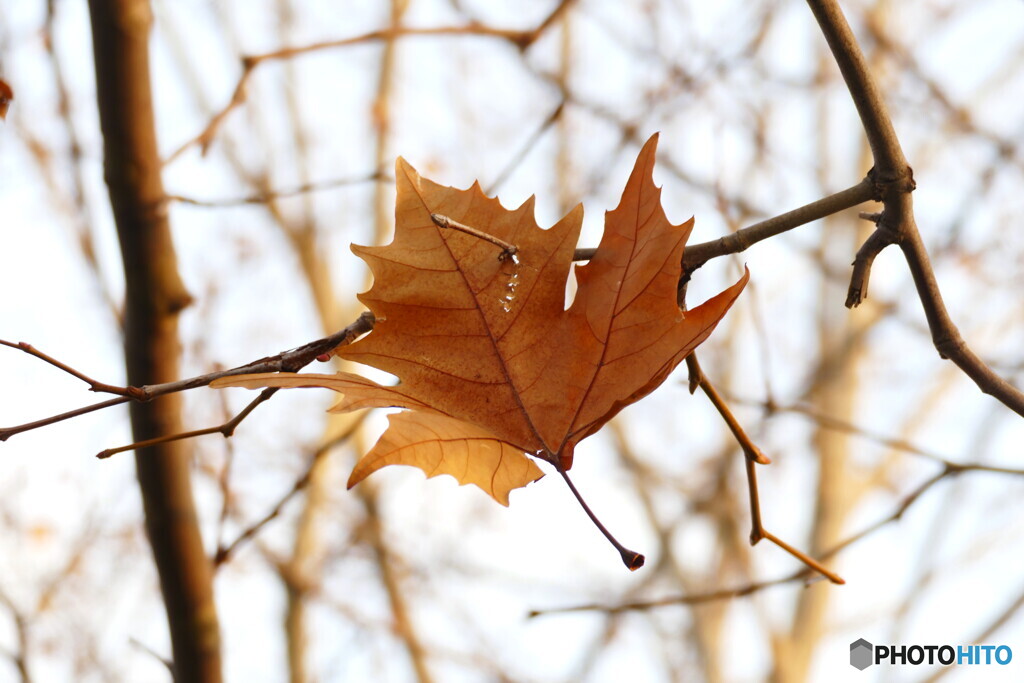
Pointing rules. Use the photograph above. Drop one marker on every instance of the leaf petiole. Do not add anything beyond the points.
(632, 559)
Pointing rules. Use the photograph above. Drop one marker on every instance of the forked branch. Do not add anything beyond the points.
(753, 456)
(521, 39)
(286, 361)
(894, 182)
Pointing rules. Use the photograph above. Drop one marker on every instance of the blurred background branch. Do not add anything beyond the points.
(299, 110)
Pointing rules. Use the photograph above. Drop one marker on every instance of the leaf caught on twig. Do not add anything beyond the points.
(491, 363)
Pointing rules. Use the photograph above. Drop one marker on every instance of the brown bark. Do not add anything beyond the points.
(154, 295)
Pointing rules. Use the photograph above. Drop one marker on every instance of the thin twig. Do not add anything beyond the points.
(752, 455)
(694, 599)
(754, 498)
(94, 385)
(985, 634)
(287, 361)
(751, 588)
(21, 627)
(949, 470)
(8, 432)
(750, 449)
(80, 205)
(225, 552)
(696, 255)
(226, 429)
(168, 664)
(803, 557)
(507, 250)
(530, 143)
(264, 197)
(521, 39)
(895, 516)
(829, 422)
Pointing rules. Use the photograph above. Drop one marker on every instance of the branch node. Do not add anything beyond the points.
(950, 345)
(805, 558)
(140, 394)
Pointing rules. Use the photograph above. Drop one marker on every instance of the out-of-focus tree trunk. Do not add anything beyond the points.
(390, 576)
(303, 573)
(834, 393)
(154, 295)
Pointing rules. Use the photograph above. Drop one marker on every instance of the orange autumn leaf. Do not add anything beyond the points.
(492, 365)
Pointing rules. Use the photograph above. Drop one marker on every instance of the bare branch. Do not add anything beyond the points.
(990, 630)
(697, 378)
(697, 255)
(521, 39)
(226, 429)
(21, 626)
(726, 594)
(949, 470)
(753, 455)
(530, 143)
(895, 181)
(225, 552)
(695, 599)
(286, 361)
(264, 197)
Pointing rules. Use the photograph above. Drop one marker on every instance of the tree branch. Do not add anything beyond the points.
(753, 456)
(226, 551)
(226, 429)
(950, 470)
(696, 255)
(286, 361)
(894, 182)
(521, 39)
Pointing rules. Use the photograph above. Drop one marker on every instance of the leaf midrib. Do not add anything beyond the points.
(490, 336)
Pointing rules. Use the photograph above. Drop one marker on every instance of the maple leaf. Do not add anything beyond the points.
(491, 364)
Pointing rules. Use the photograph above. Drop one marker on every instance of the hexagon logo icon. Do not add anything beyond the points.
(861, 652)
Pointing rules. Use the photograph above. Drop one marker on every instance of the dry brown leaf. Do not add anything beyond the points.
(490, 362)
